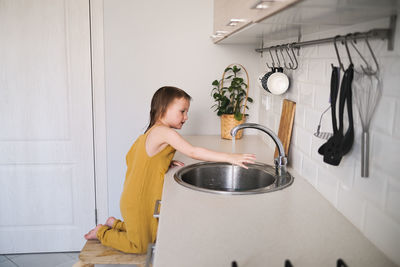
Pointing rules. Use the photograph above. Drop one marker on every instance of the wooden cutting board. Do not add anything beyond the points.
(286, 125)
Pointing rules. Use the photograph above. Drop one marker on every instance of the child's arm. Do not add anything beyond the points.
(173, 138)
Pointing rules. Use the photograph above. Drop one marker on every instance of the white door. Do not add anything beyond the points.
(47, 199)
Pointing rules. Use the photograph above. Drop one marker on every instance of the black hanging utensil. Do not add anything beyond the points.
(335, 78)
(348, 138)
(333, 148)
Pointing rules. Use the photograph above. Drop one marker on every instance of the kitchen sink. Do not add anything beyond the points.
(224, 178)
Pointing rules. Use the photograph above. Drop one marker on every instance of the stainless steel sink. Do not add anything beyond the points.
(224, 178)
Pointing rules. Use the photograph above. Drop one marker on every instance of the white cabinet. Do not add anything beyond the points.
(287, 19)
(232, 16)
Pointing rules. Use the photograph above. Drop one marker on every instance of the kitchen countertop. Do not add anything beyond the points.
(296, 223)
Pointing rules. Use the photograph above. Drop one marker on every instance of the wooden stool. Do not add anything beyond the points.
(95, 253)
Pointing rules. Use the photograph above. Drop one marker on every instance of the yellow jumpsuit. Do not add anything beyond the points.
(142, 187)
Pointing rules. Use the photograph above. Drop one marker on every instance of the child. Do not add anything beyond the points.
(147, 162)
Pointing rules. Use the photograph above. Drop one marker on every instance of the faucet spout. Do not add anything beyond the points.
(281, 160)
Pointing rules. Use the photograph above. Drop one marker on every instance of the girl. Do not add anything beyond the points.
(147, 162)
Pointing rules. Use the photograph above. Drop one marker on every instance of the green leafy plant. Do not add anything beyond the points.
(229, 99)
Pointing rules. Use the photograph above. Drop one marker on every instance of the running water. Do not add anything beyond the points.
(233, 166)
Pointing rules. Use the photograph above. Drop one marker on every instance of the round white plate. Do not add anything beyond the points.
(278, 83)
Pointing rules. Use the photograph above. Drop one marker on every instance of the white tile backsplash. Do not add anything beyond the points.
(327, 185)
(306, 96)
(299, 116)
(396, 129)
(309, 170)
(373, 187)
(383, 232)
(393, 199)
(322, 97)
(351, 205)
(371, 204)
(317, 71)
(312, 119)
(384, 115)
(303, 140)
(385, 153)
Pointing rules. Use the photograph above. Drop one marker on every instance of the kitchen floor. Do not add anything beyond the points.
(66, 259)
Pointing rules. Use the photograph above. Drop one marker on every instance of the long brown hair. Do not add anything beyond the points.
(161, 100)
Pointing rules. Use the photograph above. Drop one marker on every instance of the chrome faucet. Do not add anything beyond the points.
(281, 160)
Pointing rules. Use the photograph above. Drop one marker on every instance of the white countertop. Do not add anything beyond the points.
(296, 223)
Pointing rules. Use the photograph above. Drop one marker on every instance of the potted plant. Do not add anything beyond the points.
(231, 101)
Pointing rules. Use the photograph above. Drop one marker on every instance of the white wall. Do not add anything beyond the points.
(149, 44)
(371, 204)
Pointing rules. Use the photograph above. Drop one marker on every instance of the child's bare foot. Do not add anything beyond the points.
(92, 233)
(110, 221)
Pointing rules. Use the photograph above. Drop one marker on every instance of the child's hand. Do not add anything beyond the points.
(176, 163)
(240, 159)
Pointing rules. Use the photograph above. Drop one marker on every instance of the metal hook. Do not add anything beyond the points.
(359, 53)
(273, 61)
(284, 60)
(291, 63)
(337, 52)
(277, 57)
(369, 71)
(347, 48)
(294, 56)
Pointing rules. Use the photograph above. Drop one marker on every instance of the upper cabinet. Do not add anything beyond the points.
(232, 16)
(241, 22)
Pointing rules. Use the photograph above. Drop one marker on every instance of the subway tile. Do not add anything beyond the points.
(317, 71)
(270, 121)
(309, 51)
(384, 152)
(316, 143)
(351, 205)
(326, 50)
(304, 140)
(390, 76)
(383, 119)
(306, 94)
(309, 170)
(299, 116)
(295, 159)
(277, 104)
(379, 47)
(345, 171)
(372, 187)
(393, 199)
(301, 73)
(327, 185)
(294, 135)
(322, 97)
(312, 119)
(396, 123)
(292, 93)
(383, 232)
(355, 152)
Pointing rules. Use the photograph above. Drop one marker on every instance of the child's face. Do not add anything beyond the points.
(176, 113)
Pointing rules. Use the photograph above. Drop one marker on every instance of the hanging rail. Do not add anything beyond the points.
(372, 34)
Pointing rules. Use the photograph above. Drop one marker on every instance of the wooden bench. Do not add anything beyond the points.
(95, 253)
